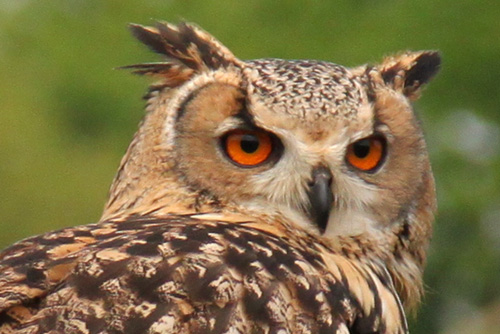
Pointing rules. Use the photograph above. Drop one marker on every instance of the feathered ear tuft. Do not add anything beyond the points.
(188, 49)
(171, 74)
(409, 71)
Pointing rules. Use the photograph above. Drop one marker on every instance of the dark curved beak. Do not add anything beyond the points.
(320, 196)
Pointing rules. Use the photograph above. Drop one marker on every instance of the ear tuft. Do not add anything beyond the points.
(188, 50)
(426, 66)
(187, 44)
(409, 71)
(171, 74)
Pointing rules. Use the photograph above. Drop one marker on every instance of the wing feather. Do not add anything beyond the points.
(178, 274)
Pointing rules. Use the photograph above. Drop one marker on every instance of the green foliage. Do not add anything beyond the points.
(66, 117)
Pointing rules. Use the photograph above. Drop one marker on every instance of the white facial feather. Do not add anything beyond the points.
(284, 186)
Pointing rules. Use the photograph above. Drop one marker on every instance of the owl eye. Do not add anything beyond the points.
(248, 148)
(366, 154)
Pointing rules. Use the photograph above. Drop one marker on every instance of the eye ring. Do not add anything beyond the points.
(367, 154)
(248, 148)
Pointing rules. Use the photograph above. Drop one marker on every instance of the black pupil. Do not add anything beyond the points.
(362, 148)
(249, 143)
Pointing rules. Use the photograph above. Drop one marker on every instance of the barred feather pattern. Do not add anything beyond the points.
(177, 274)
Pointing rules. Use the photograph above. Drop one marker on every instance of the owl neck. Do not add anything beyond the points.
(406, 269)
(146, 181)
(407, 253)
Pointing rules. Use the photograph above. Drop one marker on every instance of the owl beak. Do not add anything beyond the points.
(320, 196)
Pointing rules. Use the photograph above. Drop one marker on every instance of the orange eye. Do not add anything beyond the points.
(366, 154)
(248, 147)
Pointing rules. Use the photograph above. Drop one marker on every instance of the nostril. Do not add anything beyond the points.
(327, 178)
(330, 179)
(321, 174)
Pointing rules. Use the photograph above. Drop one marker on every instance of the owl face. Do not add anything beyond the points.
(309, 140)
(335, 150)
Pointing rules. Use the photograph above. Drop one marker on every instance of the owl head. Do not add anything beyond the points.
(333, 151)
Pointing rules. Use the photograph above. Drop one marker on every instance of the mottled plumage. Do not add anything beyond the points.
(306, 241)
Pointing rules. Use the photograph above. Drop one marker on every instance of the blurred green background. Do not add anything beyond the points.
(66, 117)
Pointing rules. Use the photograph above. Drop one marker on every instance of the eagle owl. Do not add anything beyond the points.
(260, 196)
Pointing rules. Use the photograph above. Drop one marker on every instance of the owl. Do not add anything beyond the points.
(260, 196)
